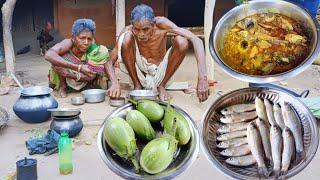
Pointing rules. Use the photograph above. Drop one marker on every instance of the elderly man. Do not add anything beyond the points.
(141, 48)
(79, 62)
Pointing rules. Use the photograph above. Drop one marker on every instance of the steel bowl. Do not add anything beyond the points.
(64, 112)
(78, 100)
(210, 125)
(184, 157)
(143, 94)
(94, 95)
(218, 35)
(117, 102)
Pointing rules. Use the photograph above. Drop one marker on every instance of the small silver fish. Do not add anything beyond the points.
(238, 117)
(241, 160)
(236, 151)
(238, 108)
(278, 116)
(254, 141)
(276, 148)
(233, 127)
(292, 121)
(269, 110)
(232, 143)
(288, 150)
(232, 135)
(261, 109)
(265, 136)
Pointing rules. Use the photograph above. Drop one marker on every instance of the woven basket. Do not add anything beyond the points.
(4, 118)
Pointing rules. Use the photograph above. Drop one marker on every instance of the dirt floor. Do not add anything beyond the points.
(32, 70)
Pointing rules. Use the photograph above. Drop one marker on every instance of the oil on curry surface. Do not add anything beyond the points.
(265, 44)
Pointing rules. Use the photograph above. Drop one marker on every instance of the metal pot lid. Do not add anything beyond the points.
(36, 91)
(253, 7)
(64, 112)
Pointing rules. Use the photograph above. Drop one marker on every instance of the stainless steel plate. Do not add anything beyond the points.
(64, 112)
(185, 156)
(211, 122)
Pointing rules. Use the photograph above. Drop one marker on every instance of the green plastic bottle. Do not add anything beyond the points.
(65, 154)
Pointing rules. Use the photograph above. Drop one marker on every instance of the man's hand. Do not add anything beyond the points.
(202, 89)
(88, 72)
(114, 91)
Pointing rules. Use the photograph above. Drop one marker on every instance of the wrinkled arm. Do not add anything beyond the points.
(202, 87)
(54, 54)
(114, 90)
(109, 66)
(198, 47)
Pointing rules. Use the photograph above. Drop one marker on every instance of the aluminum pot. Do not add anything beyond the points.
(94, 95)
(117, 102)
(143, 94)
(33, 104)
(78, 100)
(261, 6)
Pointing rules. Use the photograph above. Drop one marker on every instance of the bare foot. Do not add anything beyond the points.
(163, 94)
(62, 92)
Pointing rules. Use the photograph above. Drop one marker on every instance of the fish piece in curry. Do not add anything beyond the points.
(265, 44)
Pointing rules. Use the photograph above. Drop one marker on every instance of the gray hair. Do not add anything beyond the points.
(142, 12)
(83, 24)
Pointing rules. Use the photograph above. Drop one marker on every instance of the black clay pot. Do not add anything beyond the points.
(33, 104)
(72, 125)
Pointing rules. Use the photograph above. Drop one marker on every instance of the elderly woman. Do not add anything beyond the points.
(78, 62)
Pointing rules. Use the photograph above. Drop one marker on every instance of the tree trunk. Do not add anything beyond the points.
(208, 19)
(7, 13)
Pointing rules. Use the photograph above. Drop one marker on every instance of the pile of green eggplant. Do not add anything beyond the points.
(159, 148)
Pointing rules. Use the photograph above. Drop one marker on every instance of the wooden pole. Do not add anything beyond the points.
(208, 19)
(7, 13)
(56, 14)
(120, 16)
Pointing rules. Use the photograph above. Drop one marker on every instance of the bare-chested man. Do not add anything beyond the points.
(142, 48)
(79, 62)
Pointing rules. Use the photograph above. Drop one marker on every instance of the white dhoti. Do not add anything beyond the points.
(149, 75)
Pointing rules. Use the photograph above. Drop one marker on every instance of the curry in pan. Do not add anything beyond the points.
(265, 44)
